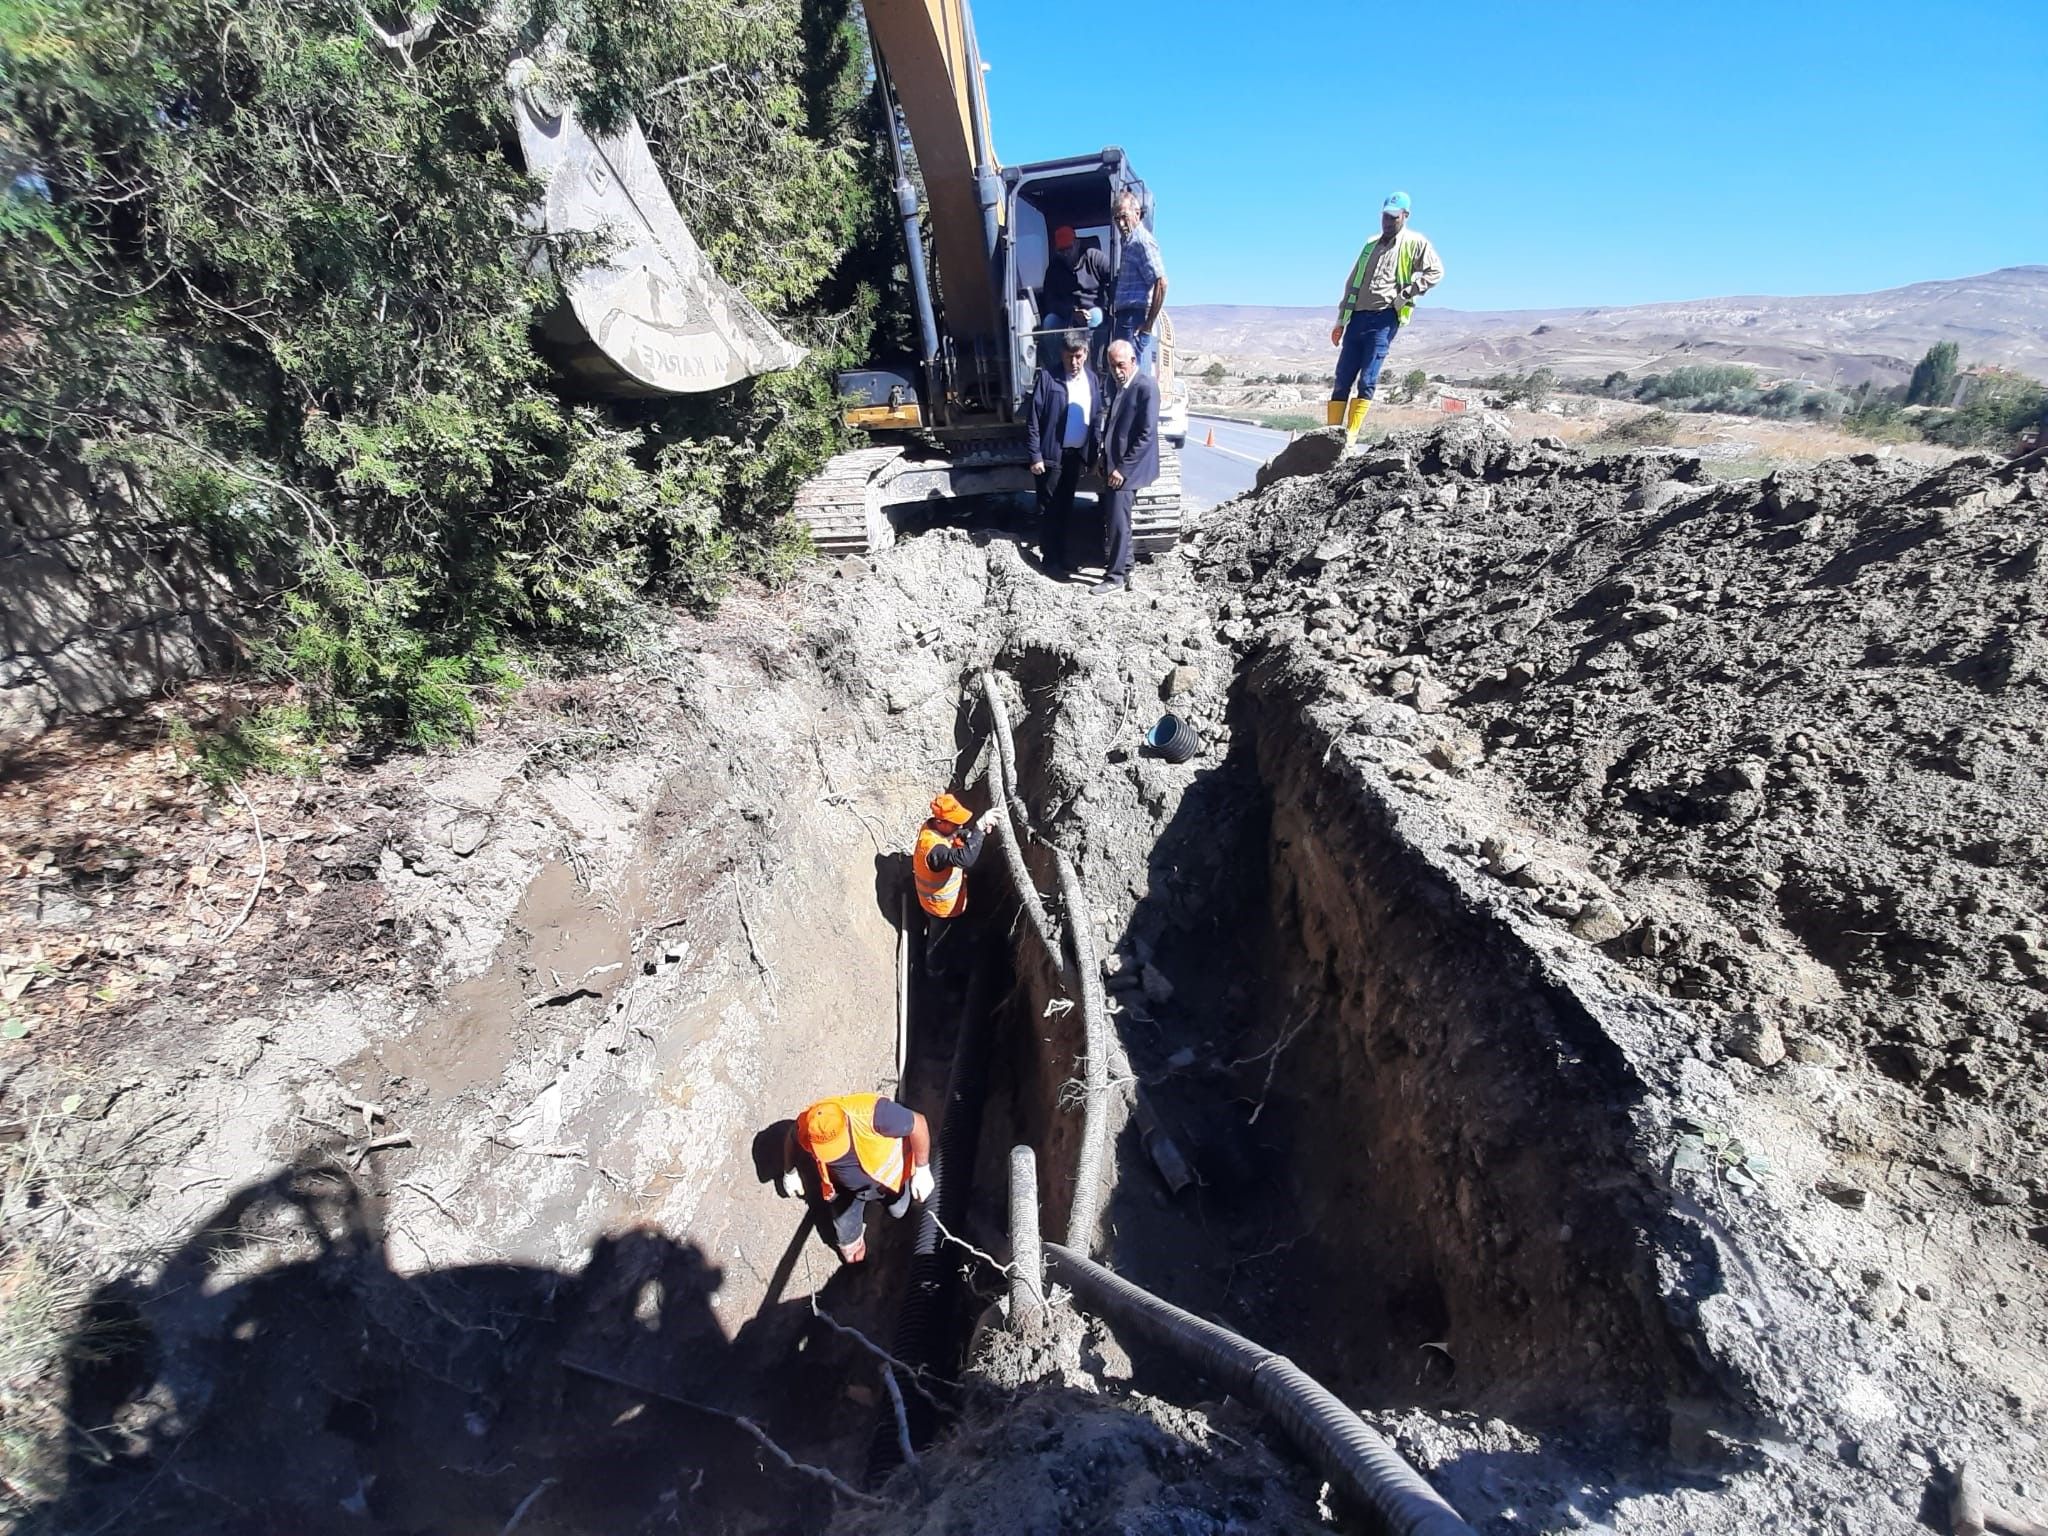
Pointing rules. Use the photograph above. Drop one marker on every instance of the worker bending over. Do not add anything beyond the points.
(1389, 276)
(857, 1148)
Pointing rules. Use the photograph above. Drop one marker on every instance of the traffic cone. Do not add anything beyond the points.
(1210, 440)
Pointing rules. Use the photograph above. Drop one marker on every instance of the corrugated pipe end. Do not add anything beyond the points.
(1349, 1452)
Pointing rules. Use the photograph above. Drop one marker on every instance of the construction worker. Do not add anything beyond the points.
(947, 846)
(1130, 460)
(858, 1149)
(1391, 273)
(1140, 292)
(1075, 278)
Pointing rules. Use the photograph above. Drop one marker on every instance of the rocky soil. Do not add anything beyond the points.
(1774, 751)
(1585, 1002)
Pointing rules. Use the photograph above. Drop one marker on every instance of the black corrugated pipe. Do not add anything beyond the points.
(924, 1321)
(1351, 1455)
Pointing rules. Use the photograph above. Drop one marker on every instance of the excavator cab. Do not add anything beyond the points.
(1076, 193)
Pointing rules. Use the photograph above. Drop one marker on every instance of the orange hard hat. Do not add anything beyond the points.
(823, 1124)
(949, 810)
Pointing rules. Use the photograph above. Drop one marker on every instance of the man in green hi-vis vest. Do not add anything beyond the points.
(1389, 276)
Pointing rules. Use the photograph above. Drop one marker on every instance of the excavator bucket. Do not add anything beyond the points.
(648, 316)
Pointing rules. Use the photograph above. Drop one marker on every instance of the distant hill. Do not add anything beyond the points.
(2000, 317)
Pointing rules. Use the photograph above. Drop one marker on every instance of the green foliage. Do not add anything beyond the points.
(1289, 423)
(1649, 427)
(1414, 383)
(1695, 381)
(1214, 373)
(1718, 1154)
(1532, 389)
(276, 269)
(280, 739)
(2000, 406)
(1934, 376)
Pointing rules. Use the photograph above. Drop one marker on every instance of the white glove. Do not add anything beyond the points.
(921, 1184)
(791, 1184)
(986, 819)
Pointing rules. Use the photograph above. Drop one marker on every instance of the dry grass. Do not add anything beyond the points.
(43, 1297)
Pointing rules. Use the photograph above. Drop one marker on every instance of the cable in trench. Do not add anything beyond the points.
(924, 1321)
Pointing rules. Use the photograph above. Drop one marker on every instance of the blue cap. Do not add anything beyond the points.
(1396, 203)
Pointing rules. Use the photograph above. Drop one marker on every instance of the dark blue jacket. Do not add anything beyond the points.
(1130, 439)
(1049, 413)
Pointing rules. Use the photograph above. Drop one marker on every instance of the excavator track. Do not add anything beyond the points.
(841, 506)
(846, 505)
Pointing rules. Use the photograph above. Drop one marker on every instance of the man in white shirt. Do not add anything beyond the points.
(1064, 434)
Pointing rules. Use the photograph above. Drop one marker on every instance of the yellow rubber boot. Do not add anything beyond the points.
(1354, 418)
(1334, 416)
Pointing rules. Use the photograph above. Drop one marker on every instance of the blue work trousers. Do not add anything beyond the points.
(1146, 346)
(1366, 340)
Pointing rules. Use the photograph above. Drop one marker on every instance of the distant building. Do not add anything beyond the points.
(1450, 402)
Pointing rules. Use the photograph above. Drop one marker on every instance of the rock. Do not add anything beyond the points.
(1456, 752)
(1520, 674)
(2029, 951)
(1748, 772)
(1812, 1051)
(467, 835)
(1655, 615)
(1599, 921)
(1755, 1040)
(1430, 695)
(1158, 990)
(1848, 1196)
(1537, 875)
(851, 567)
(1332, 620)
(1400, 683)
(1181, 680)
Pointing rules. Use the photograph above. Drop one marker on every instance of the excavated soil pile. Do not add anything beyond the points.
(1774, 750)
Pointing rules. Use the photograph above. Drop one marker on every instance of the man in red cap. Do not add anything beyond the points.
(1074, 280)
(859, 1149)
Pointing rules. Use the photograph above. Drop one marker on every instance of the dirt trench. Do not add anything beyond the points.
(1371, 1111)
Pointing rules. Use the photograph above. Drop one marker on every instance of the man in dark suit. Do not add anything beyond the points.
(1130, 459)
(1067, 412)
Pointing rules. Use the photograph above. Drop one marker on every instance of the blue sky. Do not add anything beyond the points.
(1557, 153)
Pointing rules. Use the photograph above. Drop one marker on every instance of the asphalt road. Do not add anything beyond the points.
(1211, 476)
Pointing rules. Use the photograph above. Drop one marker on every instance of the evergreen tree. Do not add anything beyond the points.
(1934, 377)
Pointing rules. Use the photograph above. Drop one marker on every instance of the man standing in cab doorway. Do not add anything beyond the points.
(1391, 273)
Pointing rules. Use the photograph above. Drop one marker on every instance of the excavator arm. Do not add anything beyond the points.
(928, 49)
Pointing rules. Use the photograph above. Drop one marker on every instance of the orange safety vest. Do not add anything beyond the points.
(941, 892)
(881, 1156)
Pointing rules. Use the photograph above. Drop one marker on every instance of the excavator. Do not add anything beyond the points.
(651, 317)
(949, 424)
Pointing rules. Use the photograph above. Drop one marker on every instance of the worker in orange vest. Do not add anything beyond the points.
(858, 1149)
(947, 846)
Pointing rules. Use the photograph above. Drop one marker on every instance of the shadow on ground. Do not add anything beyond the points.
(329, 1393)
